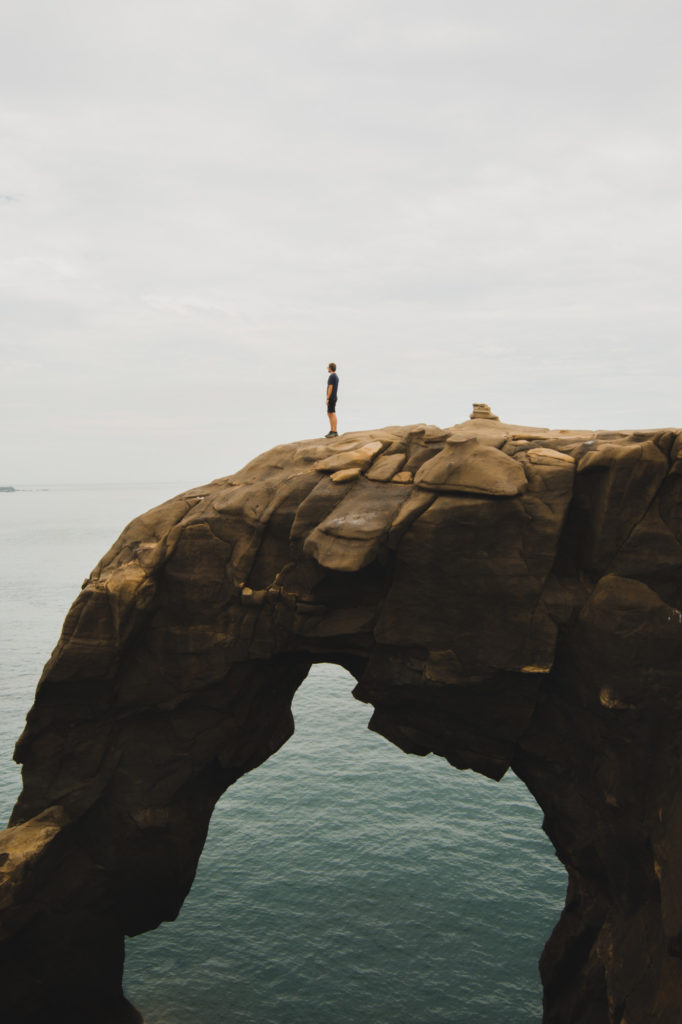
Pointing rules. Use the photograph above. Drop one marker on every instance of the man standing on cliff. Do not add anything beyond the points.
(332, 390)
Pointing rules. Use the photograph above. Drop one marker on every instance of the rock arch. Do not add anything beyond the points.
(504, 597)
(350, 875)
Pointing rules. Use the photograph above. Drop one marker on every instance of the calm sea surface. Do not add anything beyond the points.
(343, 882)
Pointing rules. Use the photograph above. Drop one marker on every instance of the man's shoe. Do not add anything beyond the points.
(332, 433)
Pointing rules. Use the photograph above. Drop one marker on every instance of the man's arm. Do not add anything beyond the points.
(329, 391)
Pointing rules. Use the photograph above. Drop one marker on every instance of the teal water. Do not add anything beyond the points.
(342, 881)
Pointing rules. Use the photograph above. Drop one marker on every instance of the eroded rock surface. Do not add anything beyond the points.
(504, 597)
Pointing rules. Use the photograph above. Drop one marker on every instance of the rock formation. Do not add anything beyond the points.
(504, 597)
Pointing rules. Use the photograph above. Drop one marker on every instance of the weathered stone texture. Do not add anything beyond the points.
(504, 596)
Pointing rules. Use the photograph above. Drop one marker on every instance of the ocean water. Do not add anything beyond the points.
(343, 882)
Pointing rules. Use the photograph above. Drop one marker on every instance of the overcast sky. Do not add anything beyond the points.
(203, 203)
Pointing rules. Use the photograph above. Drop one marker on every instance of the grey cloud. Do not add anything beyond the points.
(483, 199)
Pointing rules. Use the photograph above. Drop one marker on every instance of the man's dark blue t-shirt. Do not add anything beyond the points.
(334, 381)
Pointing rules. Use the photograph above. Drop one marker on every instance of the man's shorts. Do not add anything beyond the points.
(331, 405)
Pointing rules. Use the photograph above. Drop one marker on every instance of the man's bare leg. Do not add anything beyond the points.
(332, 420)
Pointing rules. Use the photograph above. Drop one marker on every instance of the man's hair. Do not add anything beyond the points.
(332, 367)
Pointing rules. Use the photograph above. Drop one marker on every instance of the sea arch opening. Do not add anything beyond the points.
(343, 880)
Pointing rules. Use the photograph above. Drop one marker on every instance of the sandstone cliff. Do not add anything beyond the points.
(504, 597)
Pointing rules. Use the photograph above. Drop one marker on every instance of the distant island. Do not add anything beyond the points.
(8, 490)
